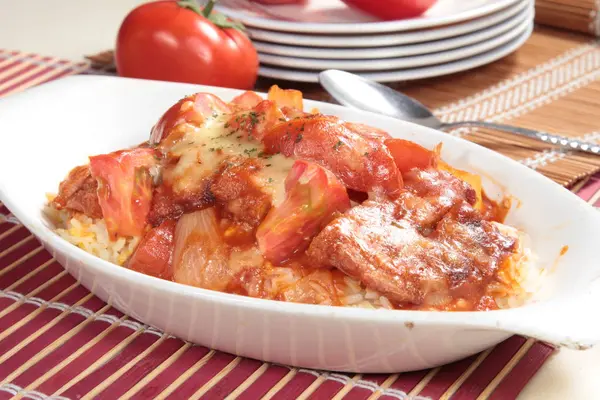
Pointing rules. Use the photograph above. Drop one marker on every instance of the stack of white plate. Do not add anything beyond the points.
(296, 42)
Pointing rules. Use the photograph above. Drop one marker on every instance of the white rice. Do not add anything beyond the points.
(91, 235)
(516, 284)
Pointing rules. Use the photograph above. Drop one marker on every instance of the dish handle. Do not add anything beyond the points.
(570, 321)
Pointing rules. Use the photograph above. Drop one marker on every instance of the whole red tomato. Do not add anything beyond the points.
(392, 9)
(176, 41)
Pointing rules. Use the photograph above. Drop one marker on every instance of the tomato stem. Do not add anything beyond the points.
(207, 12)
(190, 5)
(208, 8)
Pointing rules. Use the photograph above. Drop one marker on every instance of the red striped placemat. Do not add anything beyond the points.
(57, 340)
(19, 71)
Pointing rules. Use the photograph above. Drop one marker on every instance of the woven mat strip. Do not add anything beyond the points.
(19, 71)
(557, 93)
(575, 15)
(55, 337)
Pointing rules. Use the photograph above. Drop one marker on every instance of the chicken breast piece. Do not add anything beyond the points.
(78, 192)
(428, 251)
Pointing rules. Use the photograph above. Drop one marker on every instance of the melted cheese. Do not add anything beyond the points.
(203, 149)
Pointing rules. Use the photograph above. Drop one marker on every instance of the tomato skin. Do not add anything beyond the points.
(124, 189)
(154, 253)
(254, 124)
(392, 9)
(162, 40)
(193, 109)
(313, 195)
(246, 101)
(369, 132)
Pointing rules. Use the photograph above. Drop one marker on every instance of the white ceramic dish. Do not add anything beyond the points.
(389, 39)
(395, 51)
(334, 16)
(383, 64)
(409, 73)
(80, 116)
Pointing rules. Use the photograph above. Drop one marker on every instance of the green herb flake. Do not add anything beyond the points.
(270, 180)
(253, 118)
(298, 138)
(338, 145)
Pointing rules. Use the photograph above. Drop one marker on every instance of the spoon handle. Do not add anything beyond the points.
(560, 141)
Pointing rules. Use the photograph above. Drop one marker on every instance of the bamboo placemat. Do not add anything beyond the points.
(57, 339)
(575, 15)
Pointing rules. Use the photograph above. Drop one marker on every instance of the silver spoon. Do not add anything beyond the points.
(357, 92)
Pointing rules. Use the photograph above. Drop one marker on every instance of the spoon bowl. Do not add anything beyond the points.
(360, 93)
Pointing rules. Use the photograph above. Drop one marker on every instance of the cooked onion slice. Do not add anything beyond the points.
(200, 256)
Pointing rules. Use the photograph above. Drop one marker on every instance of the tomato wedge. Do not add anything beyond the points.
(254, 123)
(246, 101)
(362, 164)
(124, 189)
(193, 109)
(154, 253)
(313, 195)
(409, 155)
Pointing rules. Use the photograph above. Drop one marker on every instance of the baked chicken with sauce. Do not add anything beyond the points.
(260, 198)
